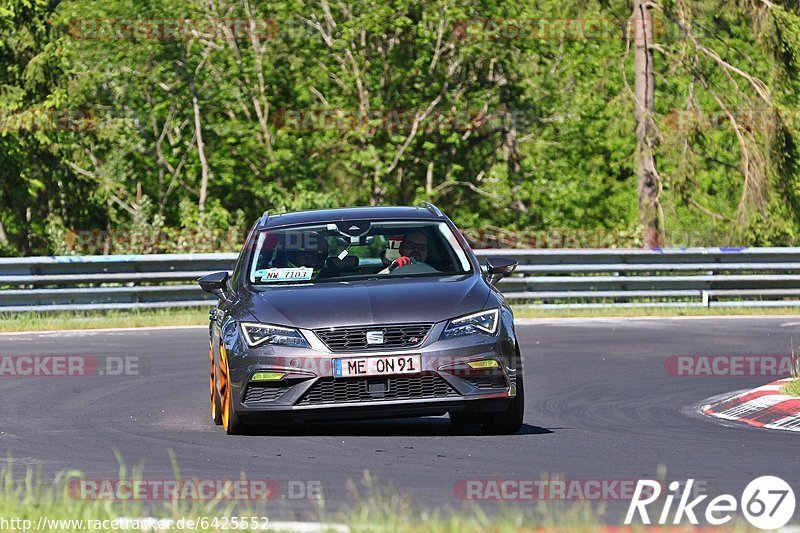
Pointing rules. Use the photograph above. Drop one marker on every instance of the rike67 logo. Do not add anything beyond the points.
(767, 502)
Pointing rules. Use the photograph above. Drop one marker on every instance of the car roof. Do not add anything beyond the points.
(351, 213)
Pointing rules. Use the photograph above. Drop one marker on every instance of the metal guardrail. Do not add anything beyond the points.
(695, 277)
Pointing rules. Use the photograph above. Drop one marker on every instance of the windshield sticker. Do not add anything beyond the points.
(270, 275)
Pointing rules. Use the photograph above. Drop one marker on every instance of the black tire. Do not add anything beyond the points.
(216, 415)
(509, 421)
(464, 419)
(230, 419)
(235, 425)
(216, 403)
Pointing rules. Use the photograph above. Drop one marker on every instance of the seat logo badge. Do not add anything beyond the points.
(375, 337)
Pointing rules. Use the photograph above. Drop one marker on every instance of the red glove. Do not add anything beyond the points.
(400, 262)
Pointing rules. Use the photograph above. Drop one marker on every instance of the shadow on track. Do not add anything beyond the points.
(403, 427)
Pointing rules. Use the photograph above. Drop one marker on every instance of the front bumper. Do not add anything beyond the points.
(374, 410)
(309, 391)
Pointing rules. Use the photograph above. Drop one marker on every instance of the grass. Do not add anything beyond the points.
(375, 507)
(11, 322)
(30, 498)
(380, 509)
(792, 389)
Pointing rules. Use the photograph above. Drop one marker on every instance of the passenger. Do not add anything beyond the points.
(311, 253)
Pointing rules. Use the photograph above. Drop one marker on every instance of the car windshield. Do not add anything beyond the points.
(351, 250)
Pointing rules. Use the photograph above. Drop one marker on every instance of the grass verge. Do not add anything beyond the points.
(11, 322)
(31, 503)
(792, 389)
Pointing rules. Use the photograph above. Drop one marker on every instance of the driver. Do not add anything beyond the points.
(414, 249)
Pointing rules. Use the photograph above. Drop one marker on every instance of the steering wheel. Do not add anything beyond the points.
(414, 268)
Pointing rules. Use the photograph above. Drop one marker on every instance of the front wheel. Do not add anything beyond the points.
(230, 420)
(509, 421)
(216, 403)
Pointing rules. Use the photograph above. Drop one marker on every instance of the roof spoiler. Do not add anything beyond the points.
(432, 208)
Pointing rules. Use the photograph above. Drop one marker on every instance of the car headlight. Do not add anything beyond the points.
(484, 323)
(258, 334)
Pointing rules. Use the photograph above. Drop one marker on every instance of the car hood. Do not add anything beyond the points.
(368, 302)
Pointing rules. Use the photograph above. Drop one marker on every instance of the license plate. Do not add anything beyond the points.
(376, 366)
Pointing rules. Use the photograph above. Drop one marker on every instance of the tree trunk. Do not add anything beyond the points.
(27, 242)
(429, 182)
(3, 235)
(201, 153)
(512, 157)
(648, 185)
(376, 194)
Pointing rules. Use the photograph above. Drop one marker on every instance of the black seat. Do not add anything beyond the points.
(335, 266)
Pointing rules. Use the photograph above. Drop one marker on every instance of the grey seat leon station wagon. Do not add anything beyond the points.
(359, 313)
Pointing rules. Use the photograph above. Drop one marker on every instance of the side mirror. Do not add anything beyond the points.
(499, 267)
(216, 284)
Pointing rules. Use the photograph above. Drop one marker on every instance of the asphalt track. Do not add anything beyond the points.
(600, 405)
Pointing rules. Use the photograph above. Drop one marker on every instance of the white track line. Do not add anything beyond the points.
(526, 321)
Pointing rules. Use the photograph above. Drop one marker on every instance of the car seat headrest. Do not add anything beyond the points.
(349, 263)
(392, 251)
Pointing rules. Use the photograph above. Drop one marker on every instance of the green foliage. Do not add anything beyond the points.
(318, 110)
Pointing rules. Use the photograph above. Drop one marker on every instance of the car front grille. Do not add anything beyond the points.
(260, 394)
(354, 390)
(349, 339)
